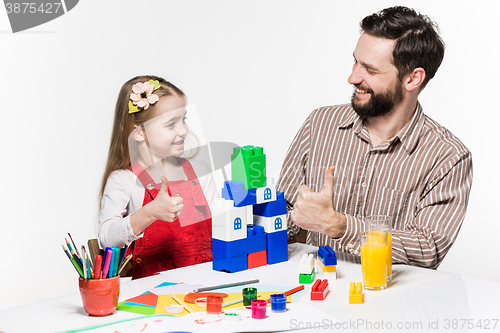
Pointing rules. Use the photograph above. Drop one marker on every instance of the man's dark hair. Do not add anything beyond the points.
(417, 41)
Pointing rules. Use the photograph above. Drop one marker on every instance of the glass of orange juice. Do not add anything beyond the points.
(382, 223)
(374, 259)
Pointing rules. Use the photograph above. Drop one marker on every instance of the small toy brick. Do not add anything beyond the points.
(306, 264)
(255, 241)
(271, 224)
(236, 191)
(272, 208)
(327, 269)
(319, 290)
(307, 278)
(257, 259)
(248, 165)
(229, 223)
(355, 294)
(231, 265)
(327, 255)
(277, 247)
(267, 193)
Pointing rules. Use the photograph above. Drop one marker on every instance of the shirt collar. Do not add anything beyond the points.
(408, 136)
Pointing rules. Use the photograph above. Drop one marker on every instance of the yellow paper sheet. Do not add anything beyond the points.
(164, 300)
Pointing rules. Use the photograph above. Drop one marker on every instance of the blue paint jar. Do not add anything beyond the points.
(278, 302)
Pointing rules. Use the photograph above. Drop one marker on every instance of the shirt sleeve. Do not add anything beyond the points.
(293, 173)
(116, 206)
(438, 217)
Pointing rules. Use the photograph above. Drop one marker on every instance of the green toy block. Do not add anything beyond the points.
(307, 278)
(248, 166)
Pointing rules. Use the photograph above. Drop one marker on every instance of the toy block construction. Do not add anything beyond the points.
(319, 290)
(355, 293)
(327, 259)
(249, 226)
(306, 269)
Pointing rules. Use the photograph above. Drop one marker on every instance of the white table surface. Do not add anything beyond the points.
(417, 300)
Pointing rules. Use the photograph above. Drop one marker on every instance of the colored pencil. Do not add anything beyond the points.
(225, 286)
(127, 259)
(75, 262)
(78, 254)
(98, 267)
(89, 259)
(188, 309)
(122, 254)
(67, 252)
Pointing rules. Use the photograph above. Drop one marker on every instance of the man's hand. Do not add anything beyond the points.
(314, 211)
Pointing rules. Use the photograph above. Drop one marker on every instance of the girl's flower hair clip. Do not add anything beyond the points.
(142, 96)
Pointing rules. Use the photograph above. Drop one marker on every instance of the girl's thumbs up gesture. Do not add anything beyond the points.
(167, 208)
(163, 207)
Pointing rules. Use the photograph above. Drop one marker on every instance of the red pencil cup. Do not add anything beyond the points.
(100, 297)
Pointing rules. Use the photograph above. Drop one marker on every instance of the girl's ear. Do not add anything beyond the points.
(137, 134)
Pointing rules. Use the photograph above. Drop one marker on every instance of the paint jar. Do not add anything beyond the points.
(249, 294)
(100, 297)
(278, 302)
(259, 308)
(214, 304)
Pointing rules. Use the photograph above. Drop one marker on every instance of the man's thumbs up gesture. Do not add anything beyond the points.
(314, 211)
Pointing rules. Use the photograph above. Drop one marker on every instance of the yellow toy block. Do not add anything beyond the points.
(355, 294)
(328, 269)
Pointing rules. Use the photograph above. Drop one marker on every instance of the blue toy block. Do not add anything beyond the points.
(231, 265)
(277, 247)
(255, 241)
(236, 191)
(271, 208)
(327, 255)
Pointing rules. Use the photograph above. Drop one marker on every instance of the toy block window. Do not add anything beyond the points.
(278, 223)
(237, 223)
(267, 194)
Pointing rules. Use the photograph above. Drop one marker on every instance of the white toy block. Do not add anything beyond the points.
(306, 265)
(229, 223)
(271, 224)
(268, 193)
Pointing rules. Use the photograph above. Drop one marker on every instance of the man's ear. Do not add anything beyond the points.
(415, 79)
(137, 134)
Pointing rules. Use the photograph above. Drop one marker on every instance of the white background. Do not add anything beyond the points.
(253, 69)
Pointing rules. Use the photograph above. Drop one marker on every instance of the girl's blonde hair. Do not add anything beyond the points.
(124, 123)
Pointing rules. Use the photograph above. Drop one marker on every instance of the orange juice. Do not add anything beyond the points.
(374, 264)
(378, 235)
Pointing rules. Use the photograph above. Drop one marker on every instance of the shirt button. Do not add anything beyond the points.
(138, 260)
(350, 245)
(363, 184)
(359, 216)
(150, 186)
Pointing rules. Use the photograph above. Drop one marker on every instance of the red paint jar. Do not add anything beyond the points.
(214, 304)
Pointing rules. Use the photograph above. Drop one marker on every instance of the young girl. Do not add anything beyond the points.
(149, 194)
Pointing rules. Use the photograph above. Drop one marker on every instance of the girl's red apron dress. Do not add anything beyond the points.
(183, 242)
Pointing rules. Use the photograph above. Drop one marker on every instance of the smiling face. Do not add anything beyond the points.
(165, 133)
(377, 87)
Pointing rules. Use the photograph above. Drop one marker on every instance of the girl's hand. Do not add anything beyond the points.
(167, 208)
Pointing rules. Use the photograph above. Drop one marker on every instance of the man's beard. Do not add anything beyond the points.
(379, 104)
